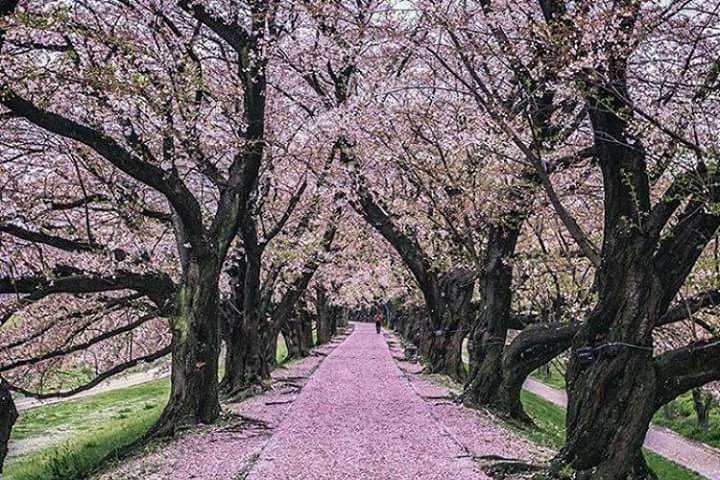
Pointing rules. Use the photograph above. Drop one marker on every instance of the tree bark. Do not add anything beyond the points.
(195, 338)
(443, 353)
(247, 362)
(324, 314)
(490, 334)
(291, 331)
(702, 403)
(307, 342)
(533, 347)
(8, 415)
(249, 337)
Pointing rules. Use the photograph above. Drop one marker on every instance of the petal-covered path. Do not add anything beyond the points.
(359, 417)
(354, 409)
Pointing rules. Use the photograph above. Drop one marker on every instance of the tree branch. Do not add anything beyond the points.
(170, 185)
(97, 380)
(686, 368)
(80, 346)
(50, 240)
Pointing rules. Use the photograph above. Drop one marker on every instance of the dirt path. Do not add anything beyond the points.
(355, 409)
(360, 417)
(693, 456)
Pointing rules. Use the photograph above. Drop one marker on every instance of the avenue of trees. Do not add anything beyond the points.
(532, 178)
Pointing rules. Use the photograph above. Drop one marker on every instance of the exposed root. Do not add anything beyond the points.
(243, 474)
(241, 394)
(507, 469)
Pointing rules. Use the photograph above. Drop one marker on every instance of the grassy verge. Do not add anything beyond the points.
(683, 421)
(282, 352)
(65, 441)
(551, 433)
(96, 425)
(554, 379)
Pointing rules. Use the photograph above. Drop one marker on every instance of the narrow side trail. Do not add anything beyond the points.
(358, 417)
(694, 456)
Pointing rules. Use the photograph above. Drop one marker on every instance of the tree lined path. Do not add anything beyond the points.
(358, 417)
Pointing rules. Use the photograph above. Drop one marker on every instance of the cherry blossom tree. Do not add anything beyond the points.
(162, 143)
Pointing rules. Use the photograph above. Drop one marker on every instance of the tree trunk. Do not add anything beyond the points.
(444, 353)
(334, 322)
(444, 349)
(8, 415)
(292, 333)
(533, 347)
(611, 400)
(601, 433)
(488, 342)
(247, 365)
(195, 339)
(702, 402)
(307, 342)
(324, 316)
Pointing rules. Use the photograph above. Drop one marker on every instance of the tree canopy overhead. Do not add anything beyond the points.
(534, 177)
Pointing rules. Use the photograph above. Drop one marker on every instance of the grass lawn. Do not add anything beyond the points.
(683, 422)
(65, 441)
(95, 425)
(282, 352)
(556, 379)
(551, 422)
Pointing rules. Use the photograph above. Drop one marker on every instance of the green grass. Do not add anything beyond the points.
(685, 423)
(282, 352)
(93, 427)
(91, 414)
(556, 379)
(98, 425)
(551, 433)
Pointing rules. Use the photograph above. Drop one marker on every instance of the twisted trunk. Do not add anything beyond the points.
(532, 348)
(489, 336)
(195, 339)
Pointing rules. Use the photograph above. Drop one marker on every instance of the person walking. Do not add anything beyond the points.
(378, 321)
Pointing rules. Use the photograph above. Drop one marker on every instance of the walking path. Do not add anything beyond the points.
(694, 456)
(357, 409)
(354, 409)
(358, 417)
